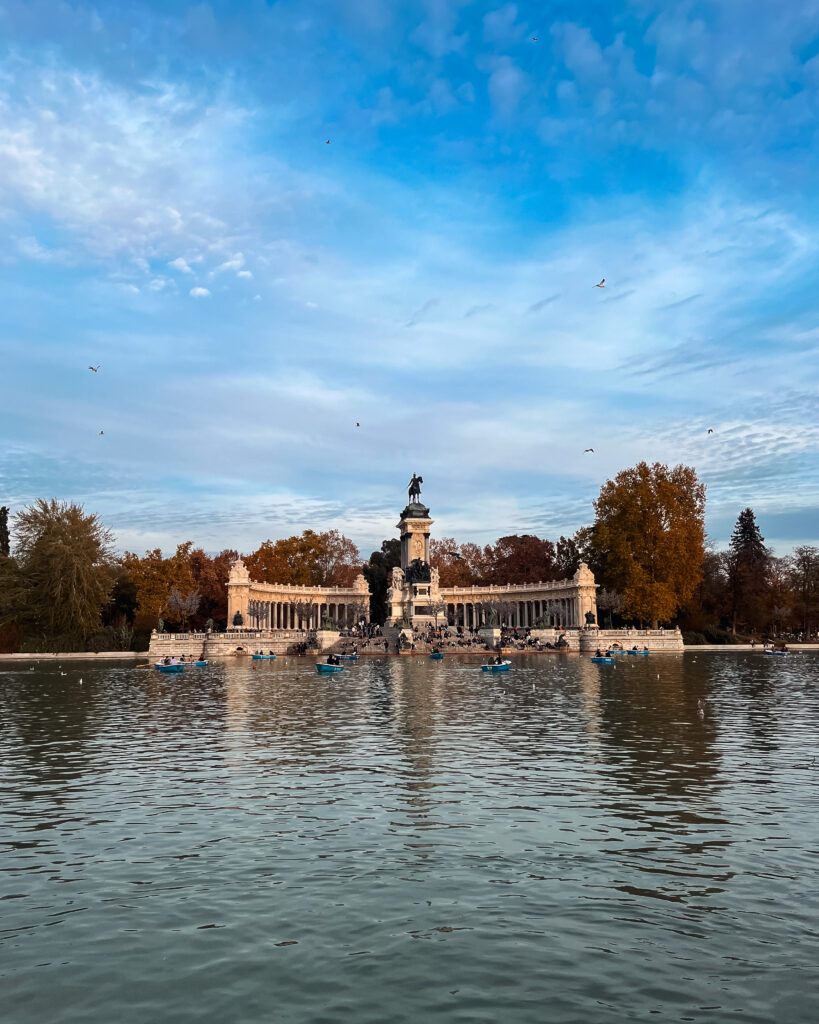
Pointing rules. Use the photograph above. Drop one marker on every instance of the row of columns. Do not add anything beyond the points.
(297, 614)
(560, 612)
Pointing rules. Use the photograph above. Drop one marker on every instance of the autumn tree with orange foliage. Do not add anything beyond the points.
(154, 577)
(649, 538)
(513, 559)
(314, 559)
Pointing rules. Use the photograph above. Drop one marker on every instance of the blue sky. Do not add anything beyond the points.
(172, 211)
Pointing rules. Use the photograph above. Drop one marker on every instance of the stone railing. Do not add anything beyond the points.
(508, 588)
(233, 642)
(656, 640)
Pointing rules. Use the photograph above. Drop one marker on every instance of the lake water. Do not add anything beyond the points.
(411, 841)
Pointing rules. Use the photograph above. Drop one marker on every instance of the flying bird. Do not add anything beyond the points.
(94, 369)
(101, 433)
(534, 39)
(588, 450)
(710, 430)
(327, 143)
(601, 283)
(358, 424)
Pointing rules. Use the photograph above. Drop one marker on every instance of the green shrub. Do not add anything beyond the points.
(693, 639)
(716, 635)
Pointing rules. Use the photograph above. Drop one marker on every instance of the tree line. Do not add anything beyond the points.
(62, 586)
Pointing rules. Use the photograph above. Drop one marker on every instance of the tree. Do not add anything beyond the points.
(805, 581)
(155, 577)
(183, 605)
(522, 558)
(567, 557)
(437, 608)
(650, 536)
(210, 576)
(66, 568)
(747, 565)
(609, 601)
(314, 559)
(4, 532)
(454, 570)
(708, 605)
(377, 573)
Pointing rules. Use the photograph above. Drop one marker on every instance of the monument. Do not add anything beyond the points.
(416, 598)
(413, 597)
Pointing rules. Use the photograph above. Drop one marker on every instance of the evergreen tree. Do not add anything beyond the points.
(747, 541)
(746, 564)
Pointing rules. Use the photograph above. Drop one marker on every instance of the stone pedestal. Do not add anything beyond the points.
(490, 635)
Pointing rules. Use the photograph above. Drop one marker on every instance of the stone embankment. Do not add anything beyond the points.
(232, 643)
(78, 656)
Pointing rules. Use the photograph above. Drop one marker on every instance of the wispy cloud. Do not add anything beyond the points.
(429, 274)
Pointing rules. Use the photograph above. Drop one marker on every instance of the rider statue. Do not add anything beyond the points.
(414, 488)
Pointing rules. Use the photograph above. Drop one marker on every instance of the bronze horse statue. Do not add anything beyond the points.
(414, 488)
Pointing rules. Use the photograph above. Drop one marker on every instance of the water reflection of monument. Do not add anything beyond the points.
(415, 596)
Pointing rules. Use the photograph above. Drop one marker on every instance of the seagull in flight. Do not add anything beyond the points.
(534, 39)
(588, 450)
(94, 369)
(601, 283)
(710, 430)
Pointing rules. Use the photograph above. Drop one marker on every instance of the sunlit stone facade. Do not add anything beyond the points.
(278, 606)
(416, 597)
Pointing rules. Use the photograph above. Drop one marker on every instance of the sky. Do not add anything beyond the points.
(268, 222)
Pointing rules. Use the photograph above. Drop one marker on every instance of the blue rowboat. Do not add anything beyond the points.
(637, 652)
(777, 654)
(348, 657)
(436, 656)
(170, 668)
(603, 661)
(503, 667)
(321, 667)
(200, 664)
(264, 657)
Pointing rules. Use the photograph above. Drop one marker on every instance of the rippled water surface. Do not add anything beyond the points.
(411, 841)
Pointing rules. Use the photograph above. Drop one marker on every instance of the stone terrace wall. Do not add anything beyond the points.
(226, 645)
(656, 640)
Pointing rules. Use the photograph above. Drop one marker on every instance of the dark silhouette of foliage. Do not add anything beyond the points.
(377, 572)
(5, 549)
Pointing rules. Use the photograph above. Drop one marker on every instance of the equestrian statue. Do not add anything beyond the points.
(414, 488)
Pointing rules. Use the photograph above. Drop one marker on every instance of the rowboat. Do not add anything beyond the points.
(603, 661)
(200, 664)
(264, 657)
(347, 657)
(169, 668)
(436, 656)
(321, 668)
(635, 651)
(503, 667)
(778, 654)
